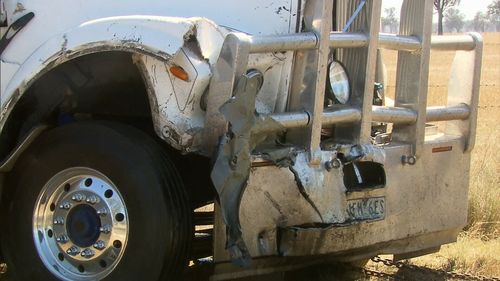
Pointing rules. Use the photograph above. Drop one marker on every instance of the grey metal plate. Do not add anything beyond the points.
(366, 208)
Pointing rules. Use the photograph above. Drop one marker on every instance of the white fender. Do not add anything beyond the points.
(159, 38)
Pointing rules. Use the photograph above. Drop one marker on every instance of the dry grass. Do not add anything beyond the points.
(467, 255)
(478, 248)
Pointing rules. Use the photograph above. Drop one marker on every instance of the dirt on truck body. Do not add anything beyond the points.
(118, 121)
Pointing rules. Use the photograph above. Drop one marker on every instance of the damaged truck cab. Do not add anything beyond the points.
(118, 121)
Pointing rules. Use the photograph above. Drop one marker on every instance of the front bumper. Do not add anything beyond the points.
(425, 206)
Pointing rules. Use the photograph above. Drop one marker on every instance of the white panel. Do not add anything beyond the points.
(255, 17)
(7, 70)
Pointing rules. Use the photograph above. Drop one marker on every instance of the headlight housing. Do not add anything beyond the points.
(338, 83)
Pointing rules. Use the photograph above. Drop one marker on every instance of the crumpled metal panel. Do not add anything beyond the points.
(232, 166)
(177, 116)
(277, 219)
(291, 192)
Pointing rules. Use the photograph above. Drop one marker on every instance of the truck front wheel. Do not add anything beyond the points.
(93, 201)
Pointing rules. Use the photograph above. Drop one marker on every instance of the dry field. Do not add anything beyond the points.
(478, 248)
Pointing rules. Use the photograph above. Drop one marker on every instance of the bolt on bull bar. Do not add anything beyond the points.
(413, 44)
(357, 50)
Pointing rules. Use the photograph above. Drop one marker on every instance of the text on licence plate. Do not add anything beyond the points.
(366, 208)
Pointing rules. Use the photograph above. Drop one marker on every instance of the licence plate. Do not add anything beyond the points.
(366, 208)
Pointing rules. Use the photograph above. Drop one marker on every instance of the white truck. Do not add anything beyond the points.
(119, 118)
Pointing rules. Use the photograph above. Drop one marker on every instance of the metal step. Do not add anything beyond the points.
(203, 236)
(203, 218)
(202, 245)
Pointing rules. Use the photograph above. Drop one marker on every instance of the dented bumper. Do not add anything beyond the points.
(288, 213)
(352, 198)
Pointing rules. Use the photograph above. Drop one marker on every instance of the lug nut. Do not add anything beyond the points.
(78, 197)
(92, 199)
(100, 245)
(59, 221)
(73, 251)
(65, 206)
(333, 164)
(87, 253)
(102, 212)
(409, 159)
(62, 239)
(105, 229)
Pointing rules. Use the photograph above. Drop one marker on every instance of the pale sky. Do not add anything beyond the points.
(468, 7)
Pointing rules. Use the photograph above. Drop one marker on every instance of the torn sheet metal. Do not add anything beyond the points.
(292, 193)
(283, 157)
(359, 152)
(232, 167)
(318, 186)
(273, 199)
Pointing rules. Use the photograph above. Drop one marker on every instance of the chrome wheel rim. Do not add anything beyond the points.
(80, 225)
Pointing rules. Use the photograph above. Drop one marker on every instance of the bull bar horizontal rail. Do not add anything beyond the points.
(308, 40)
(396, 115)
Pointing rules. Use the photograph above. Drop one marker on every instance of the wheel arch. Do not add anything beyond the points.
(137, 42)
(145, 39)
(73, 87)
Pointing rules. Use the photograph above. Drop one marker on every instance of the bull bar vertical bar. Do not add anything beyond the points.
(309, 75)
(464, 87)
(413, 72)
(361, 64)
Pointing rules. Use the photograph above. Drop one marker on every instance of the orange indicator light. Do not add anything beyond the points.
(179, 72)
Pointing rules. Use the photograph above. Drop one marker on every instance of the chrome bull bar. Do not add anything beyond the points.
(410, 113)
(357, 50)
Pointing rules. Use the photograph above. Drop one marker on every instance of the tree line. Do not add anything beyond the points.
(450, 19)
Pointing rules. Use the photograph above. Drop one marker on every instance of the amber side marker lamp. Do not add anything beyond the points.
(179, 72)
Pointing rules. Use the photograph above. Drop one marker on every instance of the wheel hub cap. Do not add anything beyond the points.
(80, 225)
(83, 225)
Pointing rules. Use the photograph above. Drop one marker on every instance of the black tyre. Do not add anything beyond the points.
(93, 201)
